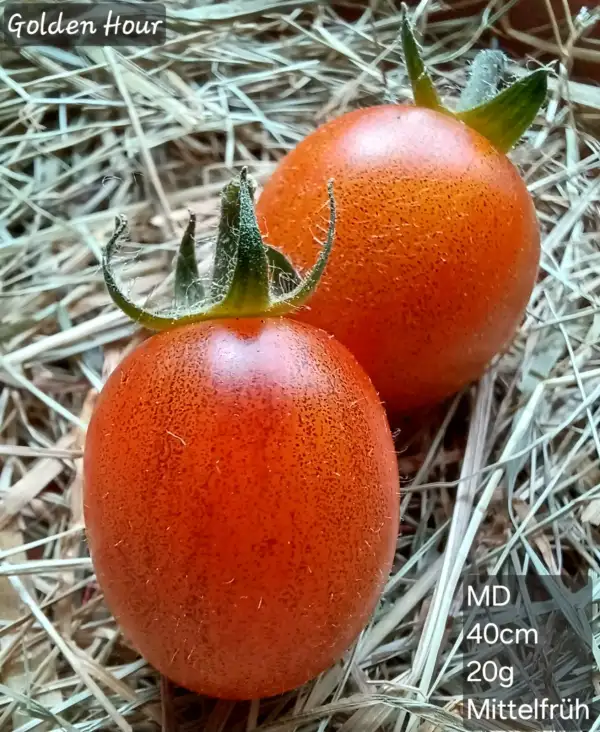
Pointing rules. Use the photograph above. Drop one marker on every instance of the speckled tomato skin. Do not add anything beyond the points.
(241, 503)
(436, 250)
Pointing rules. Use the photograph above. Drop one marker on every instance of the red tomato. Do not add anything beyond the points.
(436, 252)
(241, 502)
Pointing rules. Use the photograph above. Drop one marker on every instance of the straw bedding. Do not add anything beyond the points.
(506, 473)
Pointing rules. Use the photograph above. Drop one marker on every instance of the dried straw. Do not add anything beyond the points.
(506, 475)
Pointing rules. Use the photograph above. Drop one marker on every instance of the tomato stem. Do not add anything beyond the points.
(250, 278)
(500, 117)
(486, 74)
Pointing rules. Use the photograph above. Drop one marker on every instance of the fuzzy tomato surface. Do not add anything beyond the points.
(436, 251)
(241, 503)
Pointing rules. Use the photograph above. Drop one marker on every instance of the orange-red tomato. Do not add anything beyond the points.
(241, 503)
(436, 249)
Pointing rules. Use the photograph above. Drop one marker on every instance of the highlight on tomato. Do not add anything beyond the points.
(241, 482)
(437, 239)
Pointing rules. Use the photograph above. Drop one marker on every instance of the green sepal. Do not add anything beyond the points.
(424, 92)
(502, 118)
(227, 237)
(248, 287)
(283, 275)
(486, 75)
(252, 287)
(189, 289)
(153, 321)
(506, 117)
(300, 294)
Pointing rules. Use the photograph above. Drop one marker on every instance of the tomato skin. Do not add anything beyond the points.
(436, 249)
(241, 503)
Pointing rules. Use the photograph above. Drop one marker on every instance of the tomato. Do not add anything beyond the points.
(241, 502)
(437, 245)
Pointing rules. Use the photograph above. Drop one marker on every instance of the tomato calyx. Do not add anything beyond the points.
(502, 117)
(249, 279)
